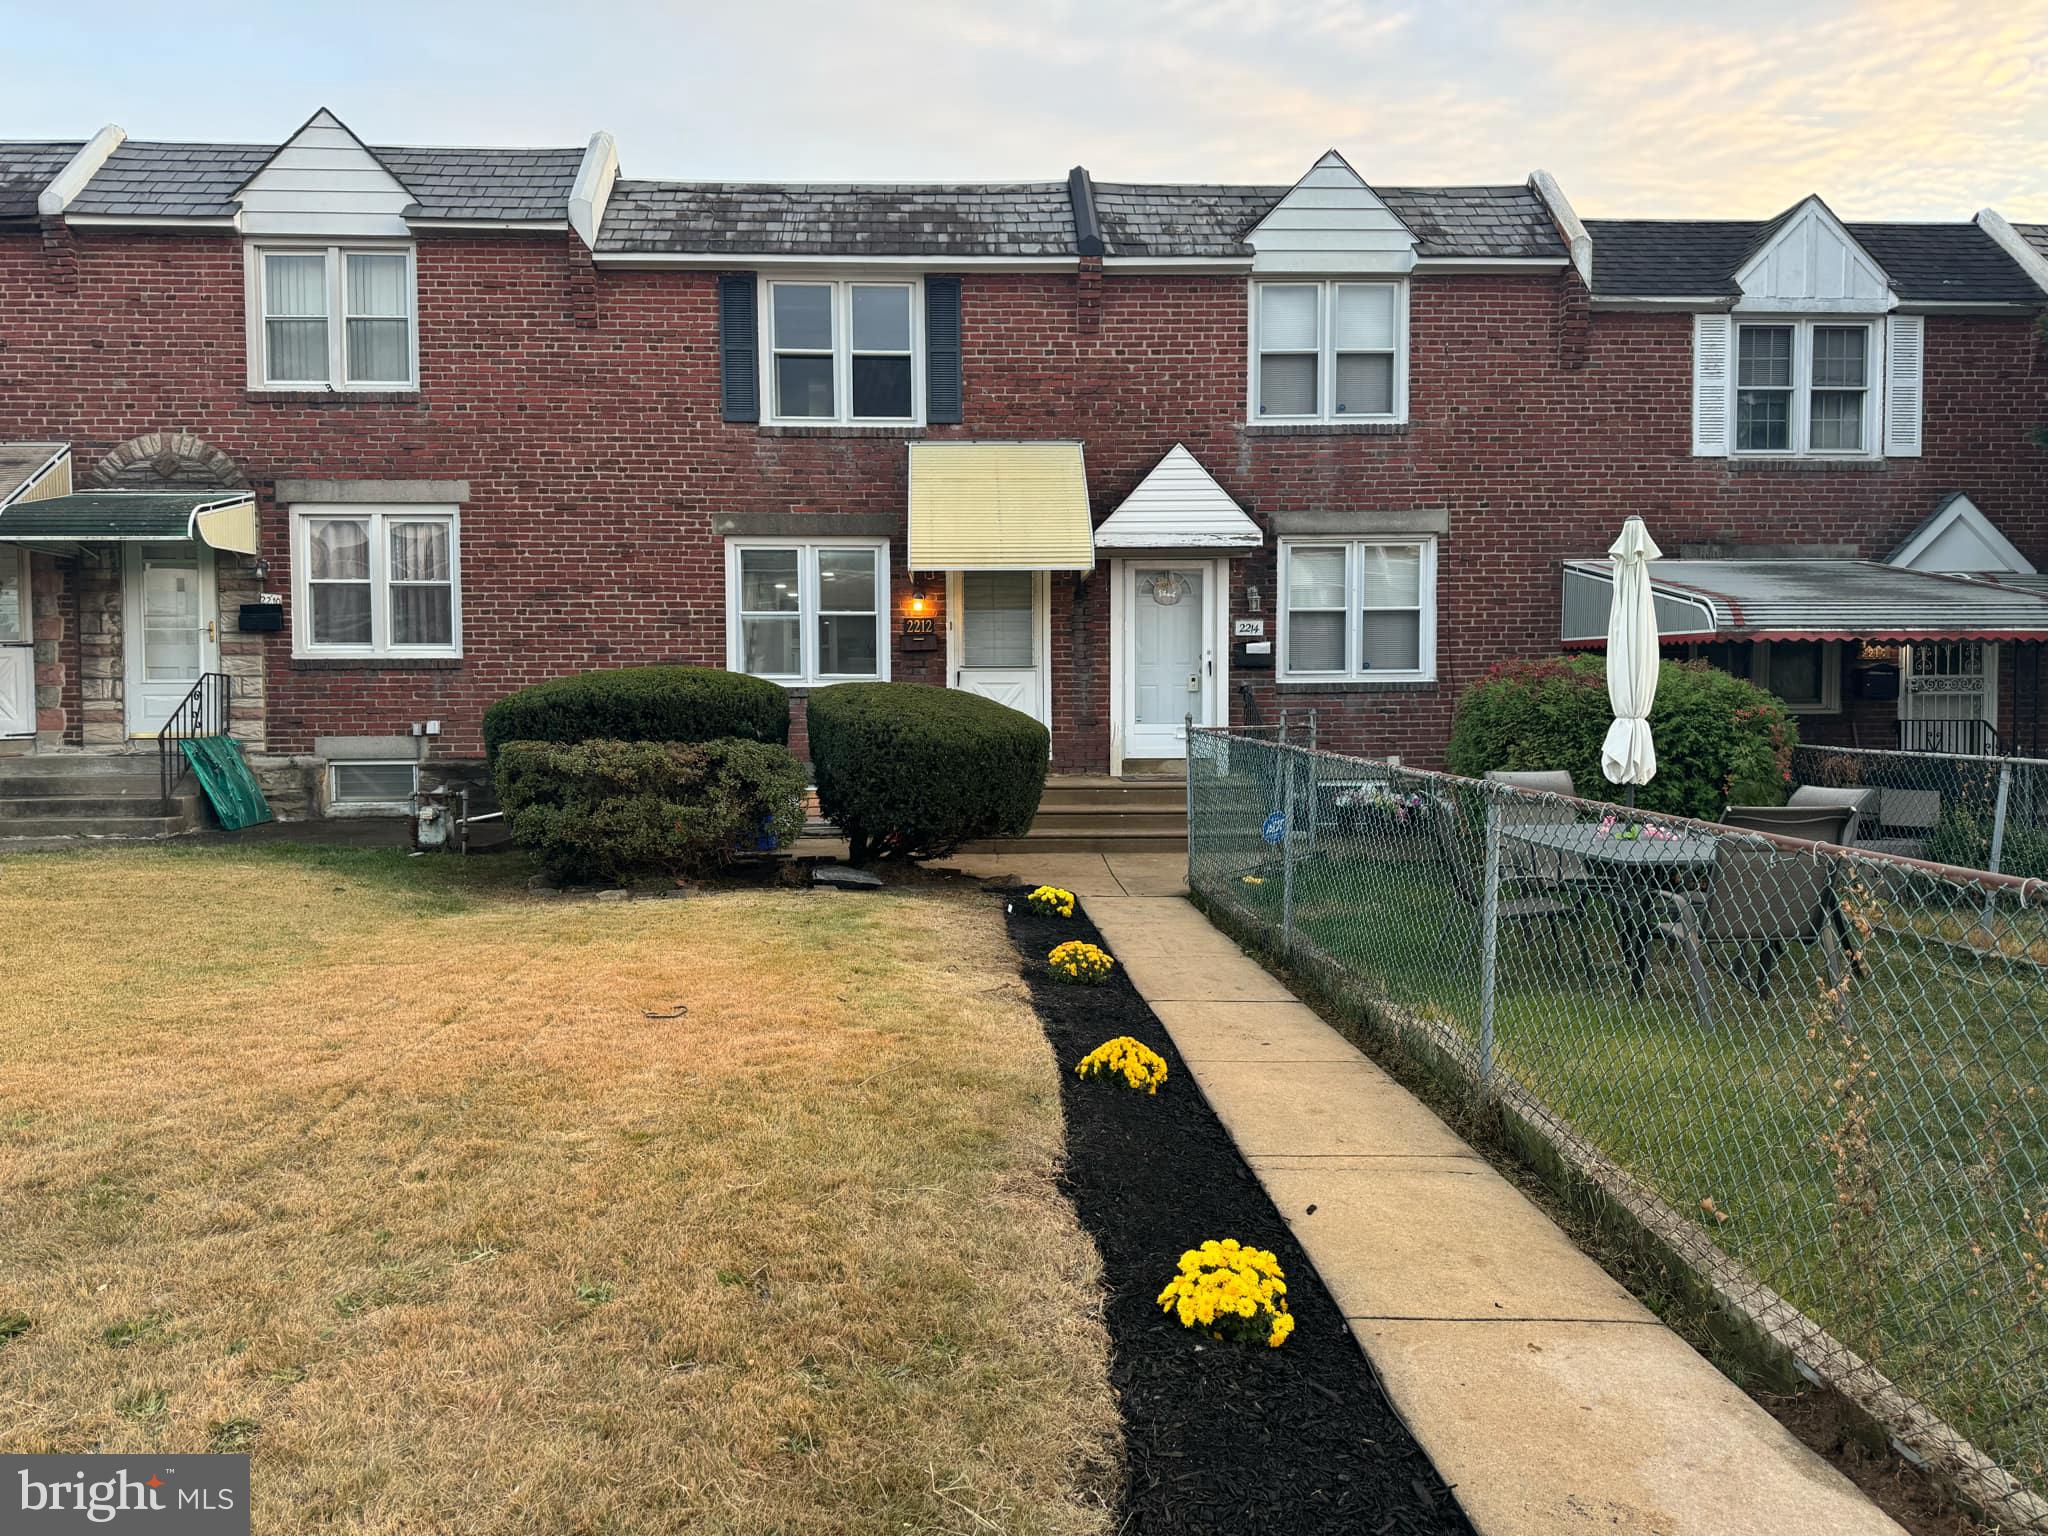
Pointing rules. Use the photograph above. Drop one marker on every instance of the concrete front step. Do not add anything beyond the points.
(101, 786)
(121, 808)
(1108, 819)
(1133, 797)
(93, 826)
(81, 764)
(1036, 841)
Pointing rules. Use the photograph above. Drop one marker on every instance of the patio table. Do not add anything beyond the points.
(1637, 868)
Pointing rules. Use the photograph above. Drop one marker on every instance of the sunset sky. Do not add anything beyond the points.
(1910, 110)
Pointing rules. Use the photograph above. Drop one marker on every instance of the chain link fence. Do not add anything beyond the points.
(1814, 1073)
(1979, 812)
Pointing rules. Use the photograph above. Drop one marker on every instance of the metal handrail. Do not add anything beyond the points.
(202, 712)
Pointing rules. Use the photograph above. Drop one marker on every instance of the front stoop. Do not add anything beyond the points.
(1094, 813)
(82, 795)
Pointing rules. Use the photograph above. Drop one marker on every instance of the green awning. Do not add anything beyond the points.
(223, 519)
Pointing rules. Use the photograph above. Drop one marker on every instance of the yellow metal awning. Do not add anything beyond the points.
(999, 507)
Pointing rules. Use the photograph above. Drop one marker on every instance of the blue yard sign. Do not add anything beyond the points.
(1275, 828)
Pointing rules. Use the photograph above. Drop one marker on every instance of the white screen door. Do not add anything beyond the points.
(17, 646)
(1168, 675)
(170, 635)
(997, 641)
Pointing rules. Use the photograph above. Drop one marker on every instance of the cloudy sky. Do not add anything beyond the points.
(1896, 109)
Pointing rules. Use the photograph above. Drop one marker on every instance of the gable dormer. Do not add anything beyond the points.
(1331, 222)
(324, 181)
(1806, 262)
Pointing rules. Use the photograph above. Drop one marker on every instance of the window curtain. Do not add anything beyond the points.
(422, 596)
(379, 343)
(295, 311)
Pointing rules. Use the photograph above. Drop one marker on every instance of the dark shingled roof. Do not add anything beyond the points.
(1030, 218)
(1698, 258)
(145, 179)
(2035, 235)
(28, 167)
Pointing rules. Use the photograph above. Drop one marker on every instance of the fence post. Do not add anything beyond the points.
(1998, 814)
(1188, 787)
(1286, 850)
(1489, 940)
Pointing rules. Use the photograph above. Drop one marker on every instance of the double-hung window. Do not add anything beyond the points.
(376, 582)
(1804, 387)
(808, 612)
(1358, 610)
(1329, 352)
(332, 317)
(842, 353)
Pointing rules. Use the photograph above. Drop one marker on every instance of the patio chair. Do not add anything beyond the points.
(1863, 801)
(1517, 906)
(1552, 867)
(1761, 899)
(1810, 823)
(1907, 819)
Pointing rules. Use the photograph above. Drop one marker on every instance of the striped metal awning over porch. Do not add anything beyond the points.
(221, 519)
(1699, 600)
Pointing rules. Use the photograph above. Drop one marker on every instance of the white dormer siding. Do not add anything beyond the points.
(1812, 265)
(1331, 223)
(324, 183)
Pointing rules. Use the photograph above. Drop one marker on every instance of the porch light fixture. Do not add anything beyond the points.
(260, 569)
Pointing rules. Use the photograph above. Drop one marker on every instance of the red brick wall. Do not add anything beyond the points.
(596, 459)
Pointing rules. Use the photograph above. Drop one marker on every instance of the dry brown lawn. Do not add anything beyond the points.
(381, 1171)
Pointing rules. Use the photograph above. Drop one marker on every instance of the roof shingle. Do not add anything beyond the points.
(1698, 258)
(1140, 219)
(26, 167)
(799, 219)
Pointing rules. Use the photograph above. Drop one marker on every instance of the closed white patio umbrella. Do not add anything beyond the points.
(1629, 755)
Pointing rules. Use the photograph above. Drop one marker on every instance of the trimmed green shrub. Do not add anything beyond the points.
(604, 811)
(1720, 740)
(641, 704)
(909, 771)
(1963, 836)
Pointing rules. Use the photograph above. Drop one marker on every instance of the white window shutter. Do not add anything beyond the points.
(1905, 348)
(1713, 345)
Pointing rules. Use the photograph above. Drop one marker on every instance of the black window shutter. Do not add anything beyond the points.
(942, 350)
(739, 348)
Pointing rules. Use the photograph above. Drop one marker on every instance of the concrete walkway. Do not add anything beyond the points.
(1548, 1396)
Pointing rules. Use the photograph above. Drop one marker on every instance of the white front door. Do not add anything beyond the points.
(996, 639)
(169, 637)
(1169, 655)
(17, 645)
(1946, 687)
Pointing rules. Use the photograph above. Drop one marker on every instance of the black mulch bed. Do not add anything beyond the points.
(1219, 1437)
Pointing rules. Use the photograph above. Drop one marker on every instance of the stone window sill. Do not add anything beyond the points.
(331, 397)
(376, 663)
(1410, 685)
(1742, 466)
(885, 432)
(1326, 429)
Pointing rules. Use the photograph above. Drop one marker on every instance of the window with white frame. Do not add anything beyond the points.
(376, 582)
(384, 785)
(841, 352)
(808, 612)
(1330, 351)
(1358, 609)
(1805, 674)
(1804, 387)
(332, 317)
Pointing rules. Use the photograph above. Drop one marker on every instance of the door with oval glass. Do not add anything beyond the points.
(172, 630)
(1171, 656)
(996, 638)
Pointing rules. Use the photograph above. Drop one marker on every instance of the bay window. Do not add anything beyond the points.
(1329, 351)
(375, 582)
(331, 317)
(1803, 387)
(841, 352)
(808, 612)
(1358, 610)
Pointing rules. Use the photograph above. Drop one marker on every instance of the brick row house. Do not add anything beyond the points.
(380, 434)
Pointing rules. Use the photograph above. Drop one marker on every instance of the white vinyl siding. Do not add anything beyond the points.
(837, 352)
(332, 317)
(808, 611)
(375, 582)
(1329, 351)
(1358, 610)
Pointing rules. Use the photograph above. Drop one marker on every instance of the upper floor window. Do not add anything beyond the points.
(332, 317)
(373, 582)
(842, 353)
(808, 612)
(1804, 387)
(1331, 351)
(1358, 609)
